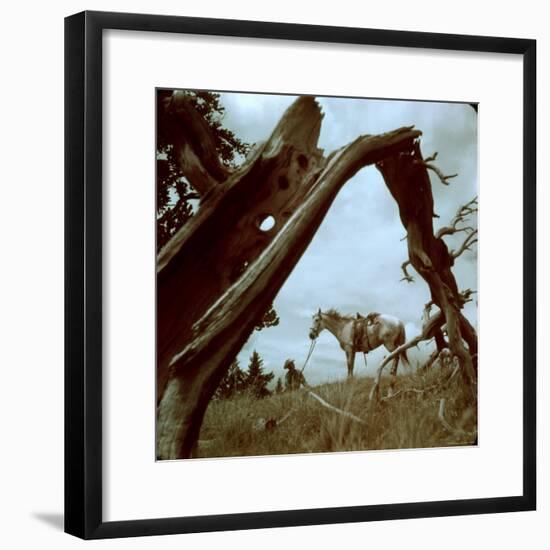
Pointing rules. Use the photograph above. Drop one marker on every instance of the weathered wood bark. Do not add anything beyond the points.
(220, 273)
(194, 145)
(408, 181)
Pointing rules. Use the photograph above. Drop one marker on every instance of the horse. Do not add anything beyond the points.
(362, 334)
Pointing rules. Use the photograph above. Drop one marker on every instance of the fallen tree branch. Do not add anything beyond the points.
(336, 409)
(434, 387)
(285, 417)
(403, 392)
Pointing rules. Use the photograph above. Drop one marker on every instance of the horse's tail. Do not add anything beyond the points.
(403, 354)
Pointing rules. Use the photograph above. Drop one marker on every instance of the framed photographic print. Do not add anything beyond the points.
(300, 275)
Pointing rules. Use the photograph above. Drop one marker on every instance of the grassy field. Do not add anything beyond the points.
(243, 426)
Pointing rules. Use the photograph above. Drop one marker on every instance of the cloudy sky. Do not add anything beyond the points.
(354, 261)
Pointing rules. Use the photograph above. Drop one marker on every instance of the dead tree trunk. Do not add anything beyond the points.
(220, 273)
(407, 179)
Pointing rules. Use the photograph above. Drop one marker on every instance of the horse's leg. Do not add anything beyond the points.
(393, 375)
(393, 370)
(400, 341)
(350, 356)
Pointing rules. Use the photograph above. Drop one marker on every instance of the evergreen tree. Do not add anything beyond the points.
(256, 379)
(279, 387)
(233, 383)
(176, 199)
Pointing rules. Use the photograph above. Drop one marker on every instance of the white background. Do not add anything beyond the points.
(32, 278)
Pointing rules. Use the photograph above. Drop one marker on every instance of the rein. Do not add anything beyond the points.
(311, 347)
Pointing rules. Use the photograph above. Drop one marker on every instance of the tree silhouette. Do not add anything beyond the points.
(233, 383)
(176, 199)
(256, 379)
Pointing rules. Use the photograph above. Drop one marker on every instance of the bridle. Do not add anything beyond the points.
(315, 330)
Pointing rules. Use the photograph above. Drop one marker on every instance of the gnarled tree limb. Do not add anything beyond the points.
(462, 215)
(406, 275)
(426, 163)
(422, 391)
(194, 145)
(408, 181)
(466, 244)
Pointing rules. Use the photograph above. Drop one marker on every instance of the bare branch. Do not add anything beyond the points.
(402, 393)
(432, 158)
(463, 213)
(466, 295)
(407, 276)
(426, 313)
(442, 177)
(194, 145)
(285, 417)
(427, 164)
(470, 240)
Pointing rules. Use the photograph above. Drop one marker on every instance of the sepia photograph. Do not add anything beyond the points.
(317, 274)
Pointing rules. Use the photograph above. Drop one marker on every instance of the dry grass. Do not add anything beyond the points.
(236, 427)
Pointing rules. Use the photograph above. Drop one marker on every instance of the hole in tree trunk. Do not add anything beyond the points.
(266, 222)
(283, 182)
(303, 162)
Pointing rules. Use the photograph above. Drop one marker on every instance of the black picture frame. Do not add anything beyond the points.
(83, 273)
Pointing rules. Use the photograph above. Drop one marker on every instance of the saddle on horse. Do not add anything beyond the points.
(361, 330)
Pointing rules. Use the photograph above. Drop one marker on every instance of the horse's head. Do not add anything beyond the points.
(317, 325)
